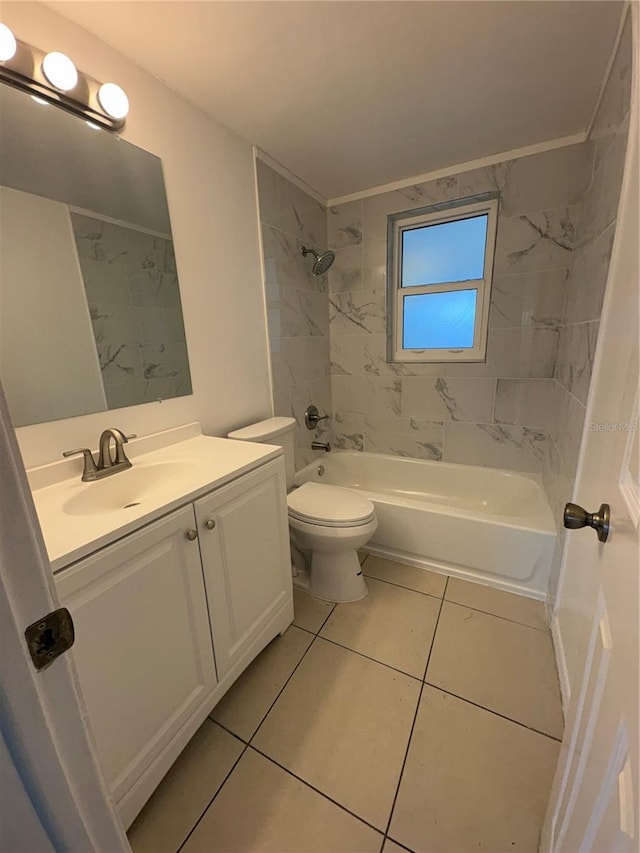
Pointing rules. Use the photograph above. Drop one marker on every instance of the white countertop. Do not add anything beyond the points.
(162, 479)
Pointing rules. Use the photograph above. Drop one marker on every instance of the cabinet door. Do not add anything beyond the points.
(244, 541)
(143, 642)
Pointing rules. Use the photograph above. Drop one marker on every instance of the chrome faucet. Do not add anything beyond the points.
(321, 445)
(106, 464)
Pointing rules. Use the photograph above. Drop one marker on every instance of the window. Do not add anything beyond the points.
(439, 280)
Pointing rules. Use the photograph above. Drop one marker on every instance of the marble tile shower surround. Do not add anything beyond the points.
(521, 409)
(496, 413)
(586, 285)
(132, 291)
(297, 305)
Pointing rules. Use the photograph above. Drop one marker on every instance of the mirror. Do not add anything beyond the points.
(90, 312)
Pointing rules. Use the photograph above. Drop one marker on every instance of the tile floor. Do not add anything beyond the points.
(425, 717)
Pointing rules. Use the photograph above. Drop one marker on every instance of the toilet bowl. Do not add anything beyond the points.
(327, 524)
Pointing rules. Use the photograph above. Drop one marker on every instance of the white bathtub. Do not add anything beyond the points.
(479, 523)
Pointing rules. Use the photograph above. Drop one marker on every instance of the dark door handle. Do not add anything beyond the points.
(575, 517)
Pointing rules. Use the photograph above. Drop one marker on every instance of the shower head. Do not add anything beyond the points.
(322, 262)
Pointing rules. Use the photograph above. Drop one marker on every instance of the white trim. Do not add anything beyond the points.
(607, 73)
(42, 715)
(561, 664)
(286, 173)
(263, 272)
(457, 168)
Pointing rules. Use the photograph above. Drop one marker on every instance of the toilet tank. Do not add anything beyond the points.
(278, 431)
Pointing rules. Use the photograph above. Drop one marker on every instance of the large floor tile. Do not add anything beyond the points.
(186, 791)
(391, 624)
(527, 611)
(391, 847)
(264, 809)
(473, 781)
(500, 665)
(422, 580)
(310, 612)
(342, 724)
(243, 707)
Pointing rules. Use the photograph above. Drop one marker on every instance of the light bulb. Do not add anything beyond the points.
(60, 71)
(7, 43)
(113, 100)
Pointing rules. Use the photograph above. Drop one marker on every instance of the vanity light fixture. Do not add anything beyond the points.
(8, 43)
(113, 100)
(52, 78)
(60, 71)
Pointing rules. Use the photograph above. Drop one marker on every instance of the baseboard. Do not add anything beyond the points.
(561, 664)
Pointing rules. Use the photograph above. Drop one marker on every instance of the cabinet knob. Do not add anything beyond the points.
(191, 535)
(210, 524)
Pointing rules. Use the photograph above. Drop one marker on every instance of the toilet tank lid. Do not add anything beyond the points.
(264, 430)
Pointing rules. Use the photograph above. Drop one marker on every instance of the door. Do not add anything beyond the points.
(56, 781)
(143, 643)
(244, 540)
(594, 802)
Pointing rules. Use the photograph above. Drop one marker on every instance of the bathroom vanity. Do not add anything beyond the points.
(176, 573)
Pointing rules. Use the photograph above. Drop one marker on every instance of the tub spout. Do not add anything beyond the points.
(321, 445)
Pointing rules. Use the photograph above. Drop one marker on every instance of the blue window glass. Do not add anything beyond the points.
(449, 251)
(439, 320)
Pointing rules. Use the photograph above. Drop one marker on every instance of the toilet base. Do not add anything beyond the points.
(332, 577)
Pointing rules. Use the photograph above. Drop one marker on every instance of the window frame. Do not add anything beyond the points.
(437, 214)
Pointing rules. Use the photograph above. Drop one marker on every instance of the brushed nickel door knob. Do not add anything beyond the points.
(575, 517)
(210, 524)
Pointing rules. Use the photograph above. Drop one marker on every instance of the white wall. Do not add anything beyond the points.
(210, 182)
(48, 359)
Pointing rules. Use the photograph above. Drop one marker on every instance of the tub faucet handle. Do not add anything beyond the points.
(312, 417)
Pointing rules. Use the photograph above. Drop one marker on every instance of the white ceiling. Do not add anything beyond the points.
(350, 95)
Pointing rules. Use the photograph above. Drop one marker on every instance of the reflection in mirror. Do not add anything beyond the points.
(90, 312)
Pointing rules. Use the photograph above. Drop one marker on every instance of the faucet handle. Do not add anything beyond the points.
(90, 468)
(76, 452)
(312, 416)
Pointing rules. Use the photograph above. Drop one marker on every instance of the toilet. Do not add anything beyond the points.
(327, 524)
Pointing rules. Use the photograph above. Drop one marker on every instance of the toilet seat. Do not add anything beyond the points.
(329, 506)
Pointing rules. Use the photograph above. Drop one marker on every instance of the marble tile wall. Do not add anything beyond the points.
(131, 284)
(297, 305)
(578, 331)
(496, 413)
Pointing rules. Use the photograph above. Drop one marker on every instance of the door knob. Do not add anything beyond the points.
(210, 524)
(192, 535)
(576, 517)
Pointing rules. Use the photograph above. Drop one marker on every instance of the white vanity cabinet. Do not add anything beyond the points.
(143, 645)
(244, 533)
(168, 616)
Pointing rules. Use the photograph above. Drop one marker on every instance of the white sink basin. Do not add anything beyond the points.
(130, 489)
(170, 469)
